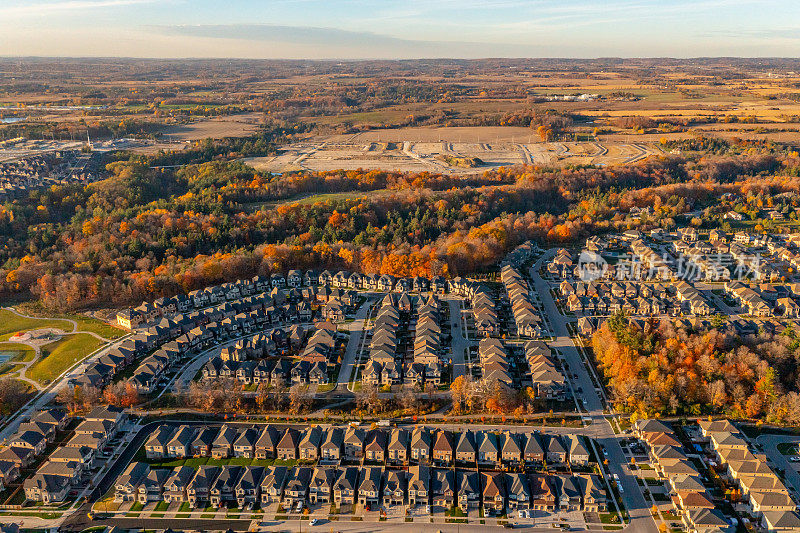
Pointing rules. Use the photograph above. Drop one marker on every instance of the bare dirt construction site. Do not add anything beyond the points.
(240, 125)
(456, 150)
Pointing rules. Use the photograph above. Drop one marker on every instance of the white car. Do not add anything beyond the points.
(314, 521)
(522, 513)
(428, 509)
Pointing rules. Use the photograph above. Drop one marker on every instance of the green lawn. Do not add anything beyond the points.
(608, 518)
(195, 462)
(60, 355)
(96, 326)
(161, 506)
(21, 352)
(11, 324)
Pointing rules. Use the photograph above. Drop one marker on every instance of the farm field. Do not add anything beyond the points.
(233, 126)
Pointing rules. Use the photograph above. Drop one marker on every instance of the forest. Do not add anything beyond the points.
(148, 231)
(660, 370)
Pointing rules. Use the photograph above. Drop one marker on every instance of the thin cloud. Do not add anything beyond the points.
(69, 5)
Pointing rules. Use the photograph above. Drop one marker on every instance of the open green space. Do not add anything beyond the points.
(60, 355)
(93, 325)
(19, 352)
(11, 323)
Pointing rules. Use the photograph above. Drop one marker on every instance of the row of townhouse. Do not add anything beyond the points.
(386, 365)
(687, 488)
(428, 347)
(653, 266)
(686, 292)
(352, 444)
(429, 352)
(270, 371)
(484, 311)
(547, 381)
(562, 265)
(277, 342)
(151, 315)
(383, 283)
(496, 365)
(231, 485)
(766, 496)
(64, 467)
(186, 334)
(632, 297)
(392, 373)
(201, 337)
(295, 279)
(600, 305)
(101, 371)
(764, 300)
(29, 442)
(752, 263)
(627, 290)
(526, 317)
(751, 299)
(521, 254)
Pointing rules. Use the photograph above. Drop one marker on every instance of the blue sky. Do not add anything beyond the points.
(366, 29)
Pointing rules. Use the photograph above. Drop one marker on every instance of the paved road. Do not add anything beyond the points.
(638, 509)
(769, 444)
(47, 395)
(459, 343)
(353, 343)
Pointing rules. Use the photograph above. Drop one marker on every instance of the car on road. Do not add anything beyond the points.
(314, 522)
(428, 509)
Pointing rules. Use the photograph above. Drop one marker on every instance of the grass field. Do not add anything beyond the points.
(11, 324)
(60, 355)
(95, 326)
(196, 462)
(84, 322)
(22, 352)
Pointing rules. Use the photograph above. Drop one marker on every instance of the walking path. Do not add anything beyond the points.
(24, 366)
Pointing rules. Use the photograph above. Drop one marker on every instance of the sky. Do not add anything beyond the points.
(393, 29)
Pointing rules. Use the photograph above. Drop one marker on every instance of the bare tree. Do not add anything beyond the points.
(299, 400)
